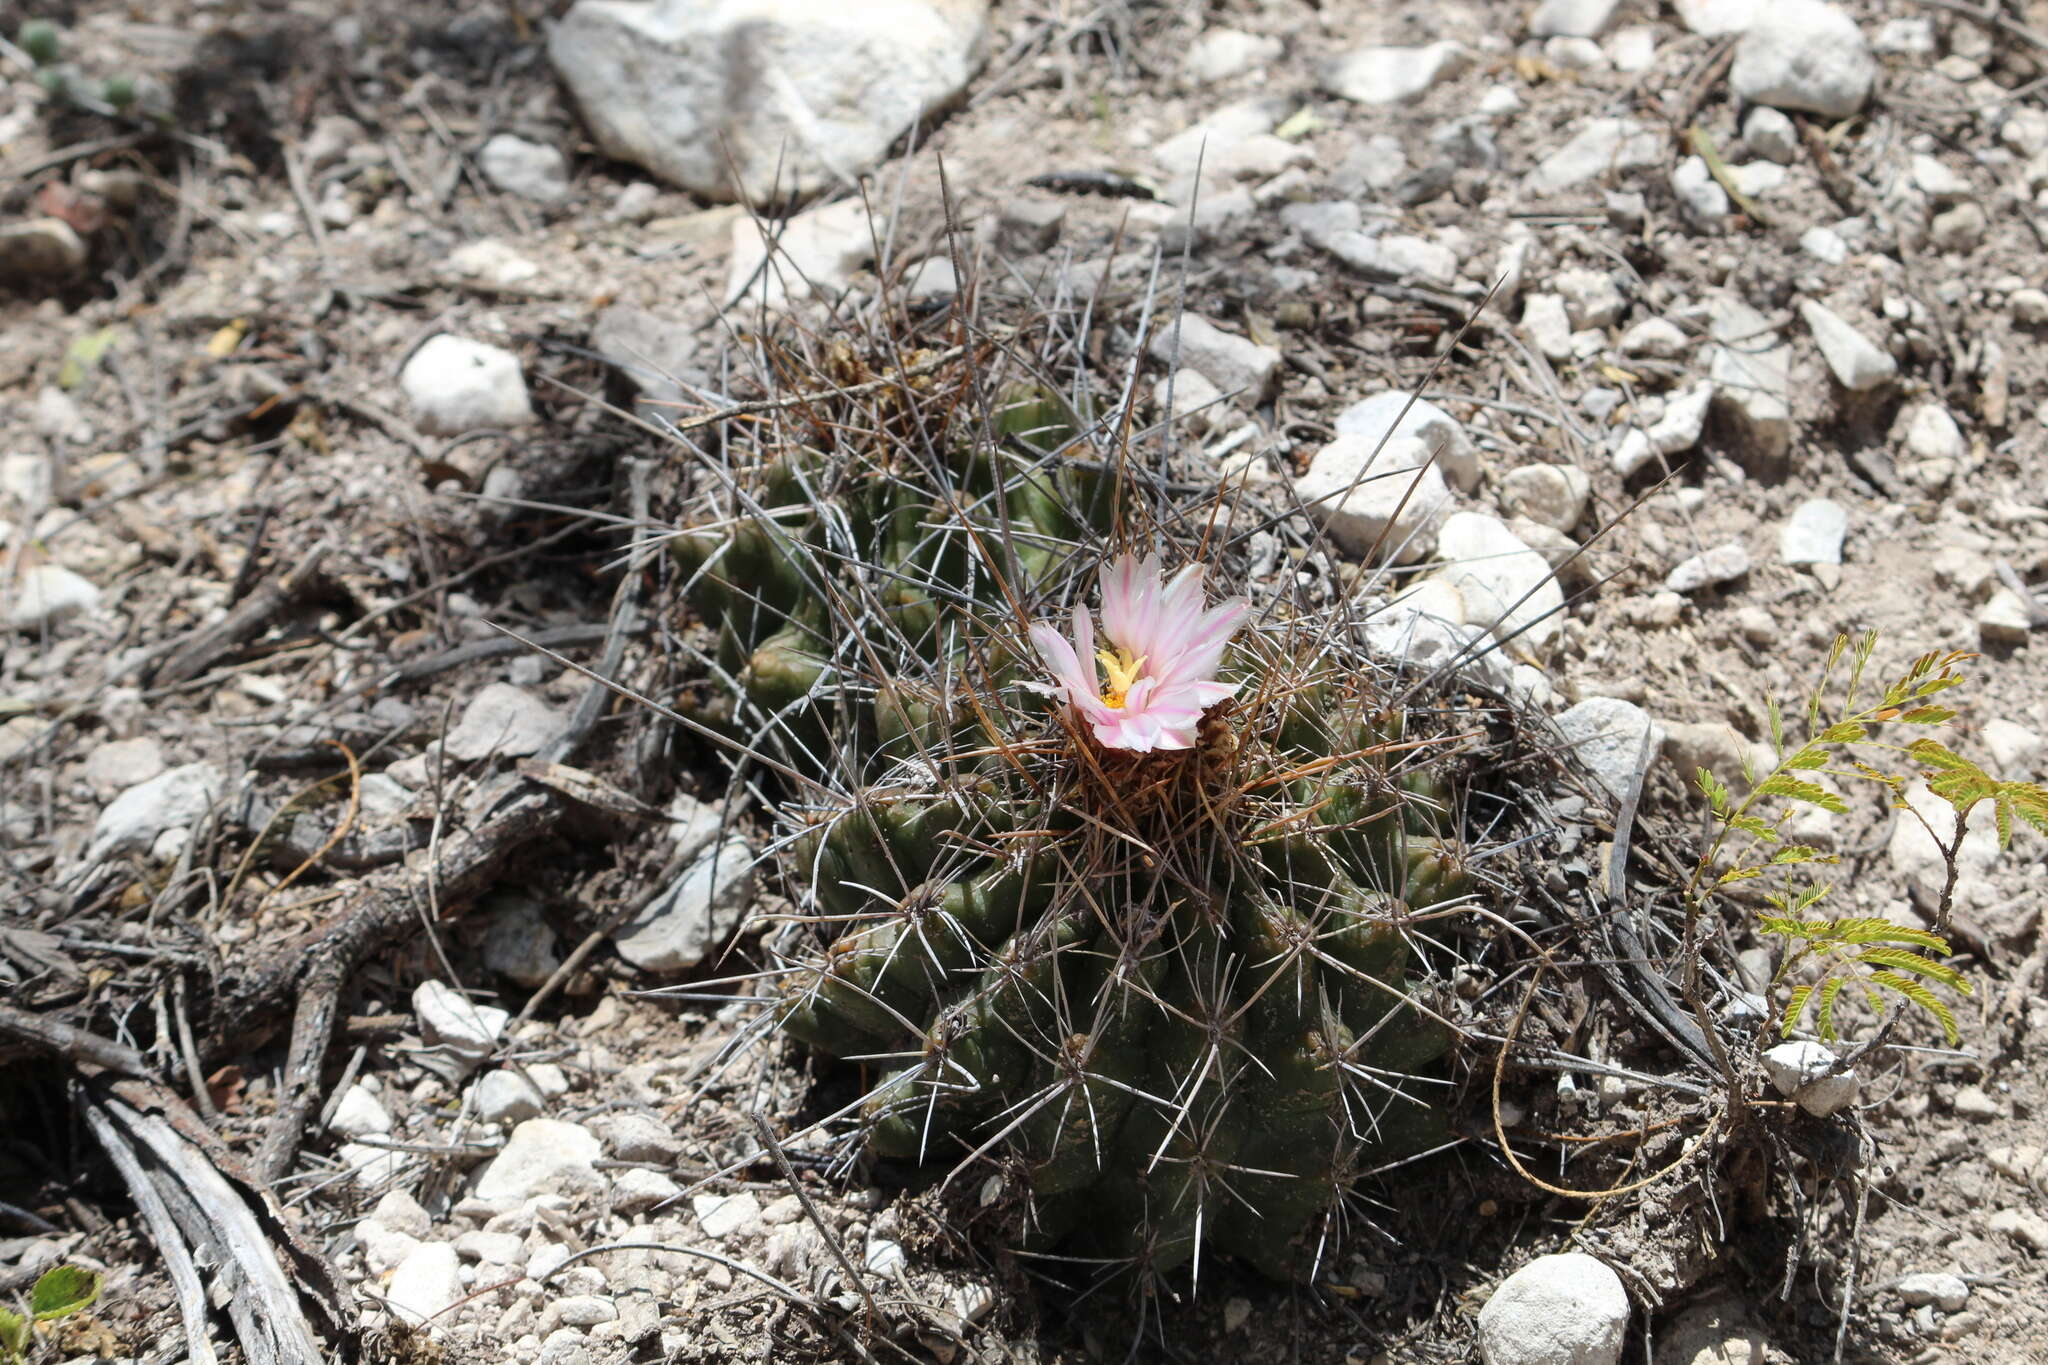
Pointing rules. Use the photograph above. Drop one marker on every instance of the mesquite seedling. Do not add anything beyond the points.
(1142, 938)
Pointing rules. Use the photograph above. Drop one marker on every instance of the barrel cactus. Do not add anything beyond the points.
(1135, 929)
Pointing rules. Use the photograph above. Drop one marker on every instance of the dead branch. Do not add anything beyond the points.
(249, 618)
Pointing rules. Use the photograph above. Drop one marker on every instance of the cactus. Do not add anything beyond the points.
(1174, 992)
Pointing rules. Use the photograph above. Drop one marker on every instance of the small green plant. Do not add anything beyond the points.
(1872, 954)
(58, 1293)
(41, 43)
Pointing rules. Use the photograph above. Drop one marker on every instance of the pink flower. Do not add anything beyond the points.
(1164, 649)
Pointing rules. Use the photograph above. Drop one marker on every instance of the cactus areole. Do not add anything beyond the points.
(1148, 955)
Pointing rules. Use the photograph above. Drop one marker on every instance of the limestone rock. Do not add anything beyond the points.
(1568, 1309)
(694, 914)
(1805, 55)
(1393, 75)
(544, 1156)
(1507, 587)
(763, 101)
(1392, 413)
(1857, 362)
(1360, 492)
(1615, 739)
(426, 1284)
(455, 385)
(1238, 367)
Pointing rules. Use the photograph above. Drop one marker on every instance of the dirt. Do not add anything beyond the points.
(247, 407)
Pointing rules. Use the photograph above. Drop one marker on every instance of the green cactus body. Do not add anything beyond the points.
(1177, 992)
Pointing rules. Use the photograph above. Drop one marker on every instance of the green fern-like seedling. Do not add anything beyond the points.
(1845, 944)
(1875, 955)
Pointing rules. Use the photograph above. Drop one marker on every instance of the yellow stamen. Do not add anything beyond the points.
(1123, 675)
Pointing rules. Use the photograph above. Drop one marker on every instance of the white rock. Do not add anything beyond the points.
(172, 800)
(1931, 434)
(544, 1156)
(1633, 49)
(519, 943)
(1913, 851)
(2029, 307)
(359, 1114)
(1553, 494)
(492, 265)
(1431, 597)
(1196, 402)
(1677, 431)
(1858, 362)
(564, 1346)
(1574, 54)
(768, 100)
(1615, 739)
(1813, 534)
(1600, 147)
(1590, 297)
(455, 385)
(1806, 55)
(502, 719)
(2015, 750)
(1906, 38)
(1935, 179)
(1717, 18)
(1655, 339)
(638, 1189)
(491, 1248)
(1393, 75)
(1238, 366)
(1507, 587)
(1221, 53)
(531, 170)
(635, 1136)
(584, 1310)
(1958, 230)
(1549, 326)
(427, 1283)
(1500, 101)
(1361, 493)
(1801, 1071)
(1824, 244)
(400, 1212)
(451, 1021)
(1947, 1292)
(1396, 255)
(694, 914)
(1751, 370)
(119, 764)
(1721, 564)
(790, 261)
(1757, 179)
(45, 594)
(1770, 135)
(507, 1097)
(384, 1249)
(1568, 1309)
(1701, 194)
(2024, 1226)
(1392, 413)
(1572, 18)
(2025, 130)
(721, 1216)
(2004, 619)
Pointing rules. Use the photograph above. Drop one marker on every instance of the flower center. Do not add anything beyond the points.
(1123, 675)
